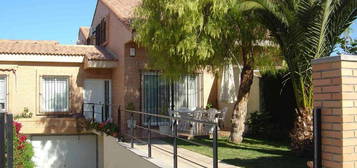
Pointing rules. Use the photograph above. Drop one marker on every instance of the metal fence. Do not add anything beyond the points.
(317, 139)
(96, 112)
(174, 134)
(6, 140)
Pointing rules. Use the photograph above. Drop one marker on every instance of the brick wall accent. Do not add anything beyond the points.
(335, 92)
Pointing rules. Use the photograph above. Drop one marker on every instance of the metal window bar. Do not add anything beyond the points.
(175, 135)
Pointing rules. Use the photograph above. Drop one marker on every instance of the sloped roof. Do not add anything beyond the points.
(85, 31)
(54, 48)
(123, 9)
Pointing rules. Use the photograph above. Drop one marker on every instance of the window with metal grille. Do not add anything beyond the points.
(159, 95)
(54, 94)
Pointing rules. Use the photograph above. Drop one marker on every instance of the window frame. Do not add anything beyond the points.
(6, 79)
(101, 32)
(41, 93)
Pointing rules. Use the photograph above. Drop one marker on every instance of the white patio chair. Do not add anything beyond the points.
(222, 117)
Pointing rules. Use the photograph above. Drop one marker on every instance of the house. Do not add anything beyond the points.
(105, 72)
(49, 80)
(134, 83)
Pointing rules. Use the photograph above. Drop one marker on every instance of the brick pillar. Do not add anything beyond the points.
(335, 92)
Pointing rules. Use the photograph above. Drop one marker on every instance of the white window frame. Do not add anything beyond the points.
(42, 77)
(6, 93)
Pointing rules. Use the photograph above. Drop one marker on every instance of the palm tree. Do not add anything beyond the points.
(305, 30)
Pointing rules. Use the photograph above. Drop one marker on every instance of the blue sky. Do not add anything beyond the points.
(45, 19)
(51, 19)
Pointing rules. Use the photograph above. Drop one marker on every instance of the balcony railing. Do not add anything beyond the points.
(92, 110)
(97, 112)
(173, 122)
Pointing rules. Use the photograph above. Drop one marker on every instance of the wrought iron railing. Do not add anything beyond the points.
(89, 110)
(174, 134)
(6, 137)
(317, 139)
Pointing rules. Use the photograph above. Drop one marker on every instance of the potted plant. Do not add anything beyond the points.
(131, 106)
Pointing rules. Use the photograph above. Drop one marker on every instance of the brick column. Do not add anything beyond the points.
(335, 92)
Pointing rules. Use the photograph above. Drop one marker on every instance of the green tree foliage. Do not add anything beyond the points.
(186, 36)
(345, 43)
(305, 30)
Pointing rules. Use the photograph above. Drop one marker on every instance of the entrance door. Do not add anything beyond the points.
(97, 99)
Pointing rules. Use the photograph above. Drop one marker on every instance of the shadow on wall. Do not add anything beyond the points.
(228, 86)
(64, 151)
(213, 94)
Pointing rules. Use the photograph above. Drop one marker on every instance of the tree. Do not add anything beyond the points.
(184, 36)
(345, 43)
(305, 30)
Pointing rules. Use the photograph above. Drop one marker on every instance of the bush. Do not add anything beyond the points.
(109, 128)
(23, 151)
(276, 119)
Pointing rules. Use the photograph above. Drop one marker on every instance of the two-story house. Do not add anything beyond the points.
(105, 71)
(133, 83)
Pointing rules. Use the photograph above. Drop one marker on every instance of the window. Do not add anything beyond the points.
(3, 93)
(157, 94)
(186, 92)
(101, 33)
(55, 94)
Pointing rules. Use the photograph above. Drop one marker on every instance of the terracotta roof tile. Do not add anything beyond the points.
(123, 9)
(84, 31)
(54, 48)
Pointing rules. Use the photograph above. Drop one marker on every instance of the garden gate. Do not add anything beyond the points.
(6, 140)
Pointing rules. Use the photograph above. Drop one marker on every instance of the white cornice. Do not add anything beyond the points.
(41, 58)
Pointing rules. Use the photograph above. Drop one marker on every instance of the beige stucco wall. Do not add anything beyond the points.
(24, 85)
(113, 155)
(254, 96)
(23, 91)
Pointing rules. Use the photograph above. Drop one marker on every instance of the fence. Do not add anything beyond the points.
(6, 140)
(174, 134)
(317, 138)
(96, 112)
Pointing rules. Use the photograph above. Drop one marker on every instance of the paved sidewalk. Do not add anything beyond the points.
(163, 157)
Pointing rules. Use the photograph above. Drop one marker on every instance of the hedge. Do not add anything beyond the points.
(276, 118)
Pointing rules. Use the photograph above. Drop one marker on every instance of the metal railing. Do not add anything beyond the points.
(91, 109)
(317, 139)
(6, 137)
(174, 134)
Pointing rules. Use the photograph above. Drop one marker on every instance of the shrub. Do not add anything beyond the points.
(23, 151)
(109, 128)
(276, 118)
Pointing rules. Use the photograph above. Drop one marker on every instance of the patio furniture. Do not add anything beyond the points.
(222, 117)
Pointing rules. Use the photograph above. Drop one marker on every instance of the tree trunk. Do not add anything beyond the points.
(302, 133)
(240, 107)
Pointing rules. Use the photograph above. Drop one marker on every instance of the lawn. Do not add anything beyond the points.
(252, 153)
